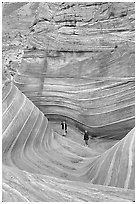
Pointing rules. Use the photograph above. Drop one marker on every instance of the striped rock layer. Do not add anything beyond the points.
(103, 105)
(32, 152)
(88, 26)
(81, 69)
(82, 65)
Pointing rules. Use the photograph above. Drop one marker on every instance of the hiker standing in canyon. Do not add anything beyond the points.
(86, 137)
(64, 128)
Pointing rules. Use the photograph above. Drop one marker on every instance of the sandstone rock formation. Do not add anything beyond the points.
(100, 64)
(32, 151)
(104, 106)
(76, 61)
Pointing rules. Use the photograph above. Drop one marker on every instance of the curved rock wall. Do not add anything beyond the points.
(100, 104)
(82, 65)
(78, 65)
(32, 150)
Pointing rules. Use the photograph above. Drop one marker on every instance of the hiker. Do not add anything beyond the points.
(64, 128)
(86, 137)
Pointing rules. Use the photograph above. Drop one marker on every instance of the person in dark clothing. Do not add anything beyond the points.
(86, 137)
(64, 128)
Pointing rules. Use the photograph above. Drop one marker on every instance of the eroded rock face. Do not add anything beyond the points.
(16, 19)
(105, 106)
(76, 63)
(102, 33)
(83, 26)
(93, 39)
(101, 63)
(33, 152)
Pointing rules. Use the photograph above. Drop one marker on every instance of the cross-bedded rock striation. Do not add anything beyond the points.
(93, 87)
(77, 64)
(85, 26)
(33, 152)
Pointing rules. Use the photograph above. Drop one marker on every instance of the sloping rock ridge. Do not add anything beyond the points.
(69, 61)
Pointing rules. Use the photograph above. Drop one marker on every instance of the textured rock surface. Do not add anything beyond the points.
(83, 26)
(32, 150)
(16, 18)
(103, 105)
(105, 30)
(60, 74)
(74, 61)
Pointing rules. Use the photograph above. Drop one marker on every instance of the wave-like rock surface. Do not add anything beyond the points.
(82, 66)
(32, 152)
(103, 105)
(78, 65)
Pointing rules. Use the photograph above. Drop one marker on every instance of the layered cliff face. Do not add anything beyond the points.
(77, 63)
(82, 65)
(86, 39)
(98, 35)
